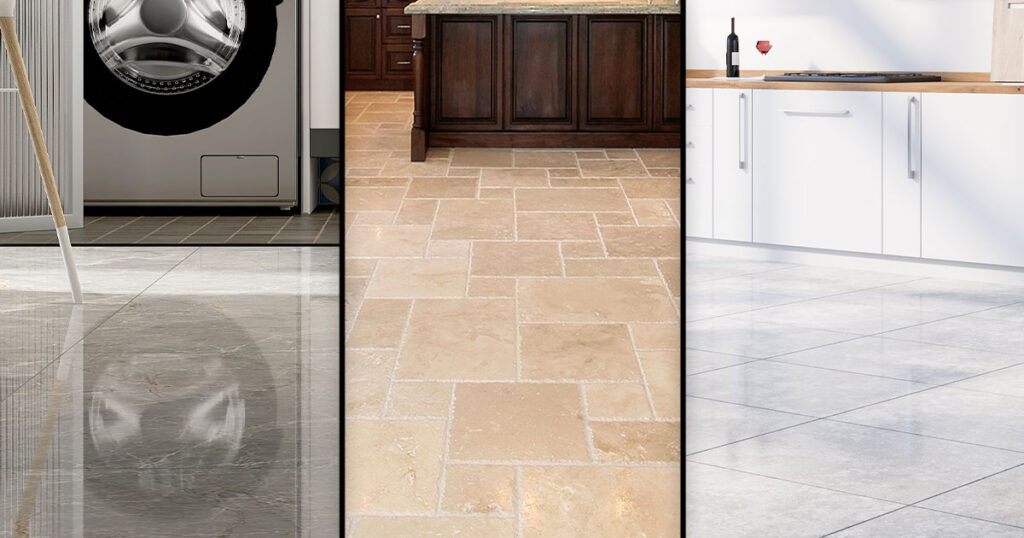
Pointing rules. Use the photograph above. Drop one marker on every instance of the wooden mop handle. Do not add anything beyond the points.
(28, 104)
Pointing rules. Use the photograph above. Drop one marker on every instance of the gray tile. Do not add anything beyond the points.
(710, 424)
(941, 295)
(796, 389)
(813, 281)
(837, 314)
(967, 332)
(709, 299)
(1009, 381)
(914, 522)
(755, 339)
(721, 503)
(698, 361)
(894, 466)
(996, 498)
(711, 268)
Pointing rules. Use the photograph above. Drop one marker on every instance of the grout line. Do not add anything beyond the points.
(469, 268)
(161, 227)
(279, 230)
(182, 241)
(327, 221)
(640, 367)
(518, 330)
(362, 301)
(242, 227)
(447, 448)
(632, 211)
(115, 229)
(587, 430)
(519, 501)
(398, 354)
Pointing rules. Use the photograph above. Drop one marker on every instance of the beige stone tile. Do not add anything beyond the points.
(633, 442)
(577, 352)
(665, 172)
(377, 117)
(419, 399)
(474, 219)
(360, 173)
(372, 97)
(651, 188)
(612, 168)
(460, 339)
(367, 374)
(366, 158)
(652, 212)
(482, 158)
(384, 241)
(537, 421)
(498, 193)
(562, 173)
(545, 159)
(660, 336)
(434, 527)
(591, 299)
(355, 130)
(582, 249)
(350, 218)
(377, 182)
(654, 241)
(355, 288)
(417, 212)
(610, 267)
(463, 172)
(374, 218)
(663, 371)
(676, 206)
(492, 287)
(617, 401)
(508, 258)
(390, 107)
(442, 187)
(359, 267)
(392, 465)
(581, 155)
(479, 489)
(620, 153)
(578, 226)
(660, 158)
(437, 153)
(616, 219)
(448, 249)
(370, 141)
(405, 167)
(433, 277)
(670, 269)
(570, 502)
(380, 323)
(513, 177)
(571, 200)
(581, 182)
(373, 198)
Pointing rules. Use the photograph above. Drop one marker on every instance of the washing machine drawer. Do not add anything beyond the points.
(239, 175)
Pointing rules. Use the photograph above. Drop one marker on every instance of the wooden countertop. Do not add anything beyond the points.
(950, 83)
(543, 7)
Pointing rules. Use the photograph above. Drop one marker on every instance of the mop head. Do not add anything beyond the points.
(6, 8)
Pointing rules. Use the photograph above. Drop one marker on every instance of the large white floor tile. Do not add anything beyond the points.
(710, 423)
(967, 332)
(836, 314)
(996, 498)
(698, 361)
(914, 522)
(756, 339)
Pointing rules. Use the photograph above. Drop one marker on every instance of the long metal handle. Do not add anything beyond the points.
(407, 62)
(742, 145)
(403, 26)
(816, 112)
(911, 173)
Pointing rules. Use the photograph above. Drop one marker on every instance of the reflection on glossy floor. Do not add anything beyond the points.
(512, 337)
(824, 401)
(195, 393)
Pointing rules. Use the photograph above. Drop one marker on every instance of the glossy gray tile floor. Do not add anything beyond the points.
(322, 227)
(833, 402)
(194, 393)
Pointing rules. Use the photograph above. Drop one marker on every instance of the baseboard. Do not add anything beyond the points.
(554, 139)
(856, 260)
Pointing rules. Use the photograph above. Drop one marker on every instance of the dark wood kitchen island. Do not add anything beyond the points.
(537, 73)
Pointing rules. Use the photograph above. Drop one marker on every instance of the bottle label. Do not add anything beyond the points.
(735, 58)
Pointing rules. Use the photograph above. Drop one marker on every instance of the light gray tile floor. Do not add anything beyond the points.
(836, 402)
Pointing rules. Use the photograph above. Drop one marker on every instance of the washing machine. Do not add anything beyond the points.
(191, 103)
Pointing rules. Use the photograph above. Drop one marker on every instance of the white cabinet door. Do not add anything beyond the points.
(733, 163)
(901, 173)
(698, 162)
(972, 205)
(818, 180)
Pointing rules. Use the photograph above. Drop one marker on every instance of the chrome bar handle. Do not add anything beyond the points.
(742, 145)
(911, 173)
(403, 26)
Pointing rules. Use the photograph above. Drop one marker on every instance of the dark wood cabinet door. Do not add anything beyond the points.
(362, 44)
(540, 73)
(668, 74)
(615, 73)
(397, 26)
(466, 59)
(349, 4)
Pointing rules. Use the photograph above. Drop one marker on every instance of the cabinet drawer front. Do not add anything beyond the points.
(398, 61)
(397, 26)
(698, 105)
(818, 177)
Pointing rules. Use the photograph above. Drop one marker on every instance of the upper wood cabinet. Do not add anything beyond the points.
(362, 49)
(378, 45)
(668, 71)
(540, 66)
(615, 73)
(467, 56)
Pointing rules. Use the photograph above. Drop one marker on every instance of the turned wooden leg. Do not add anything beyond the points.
(421, 70)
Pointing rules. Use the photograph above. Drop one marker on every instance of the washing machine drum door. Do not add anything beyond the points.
(171, 67)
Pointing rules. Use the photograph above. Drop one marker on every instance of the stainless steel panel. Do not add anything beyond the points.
(239, 175)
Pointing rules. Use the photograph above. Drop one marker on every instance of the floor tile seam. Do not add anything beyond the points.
(588, 433)
(362, 301)
(352, 529)
(777, 360)
(643, 375)
(945, 383)
(207, 223)
(1003, 523)
(720, 367)
(715, 279)
(565, 463)
(865, 521)
(115, 229)
(446, 449)
(805, 484)
(762, 408)
(161, 227)
(279, 230)
(632, 210)
(242, 227)
(519, 499)
(677, 304)
(398, 355)
(672, 212)
(517, 326)
(318, 233)
(433, 226)
(98, 325)
(469, 268)
(924, 435)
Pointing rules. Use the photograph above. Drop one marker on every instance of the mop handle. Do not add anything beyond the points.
(28, 103)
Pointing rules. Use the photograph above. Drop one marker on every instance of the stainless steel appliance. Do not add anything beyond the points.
(820, 76)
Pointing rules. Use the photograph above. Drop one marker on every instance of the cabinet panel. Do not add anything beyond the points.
(901, 174)
(397, 61)
(615, 73)
(349, 4)
(698, 174)
(972, 188)
(467, 56)
(539, 80)
(733, 161)
(668, 75)
(818, 180)
(362, 35)
(397, 26)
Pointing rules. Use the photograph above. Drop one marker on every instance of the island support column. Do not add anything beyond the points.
(421, 70)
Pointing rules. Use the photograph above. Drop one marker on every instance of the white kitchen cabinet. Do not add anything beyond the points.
(972, 205)
(818, 169)
(698, 176)
(733, 163)
(901, 173)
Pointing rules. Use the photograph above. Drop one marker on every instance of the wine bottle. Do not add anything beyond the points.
(732, 52)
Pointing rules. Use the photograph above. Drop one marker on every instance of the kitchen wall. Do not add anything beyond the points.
(919, 35)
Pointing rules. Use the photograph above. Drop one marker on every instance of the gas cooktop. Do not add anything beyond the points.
(820, 76)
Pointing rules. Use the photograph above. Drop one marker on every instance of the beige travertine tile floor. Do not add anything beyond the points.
(512, 363)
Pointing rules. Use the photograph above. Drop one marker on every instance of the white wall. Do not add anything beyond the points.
(891, 35)
(325, 64)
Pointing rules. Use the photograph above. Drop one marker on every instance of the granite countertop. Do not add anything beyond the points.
(543, 7)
